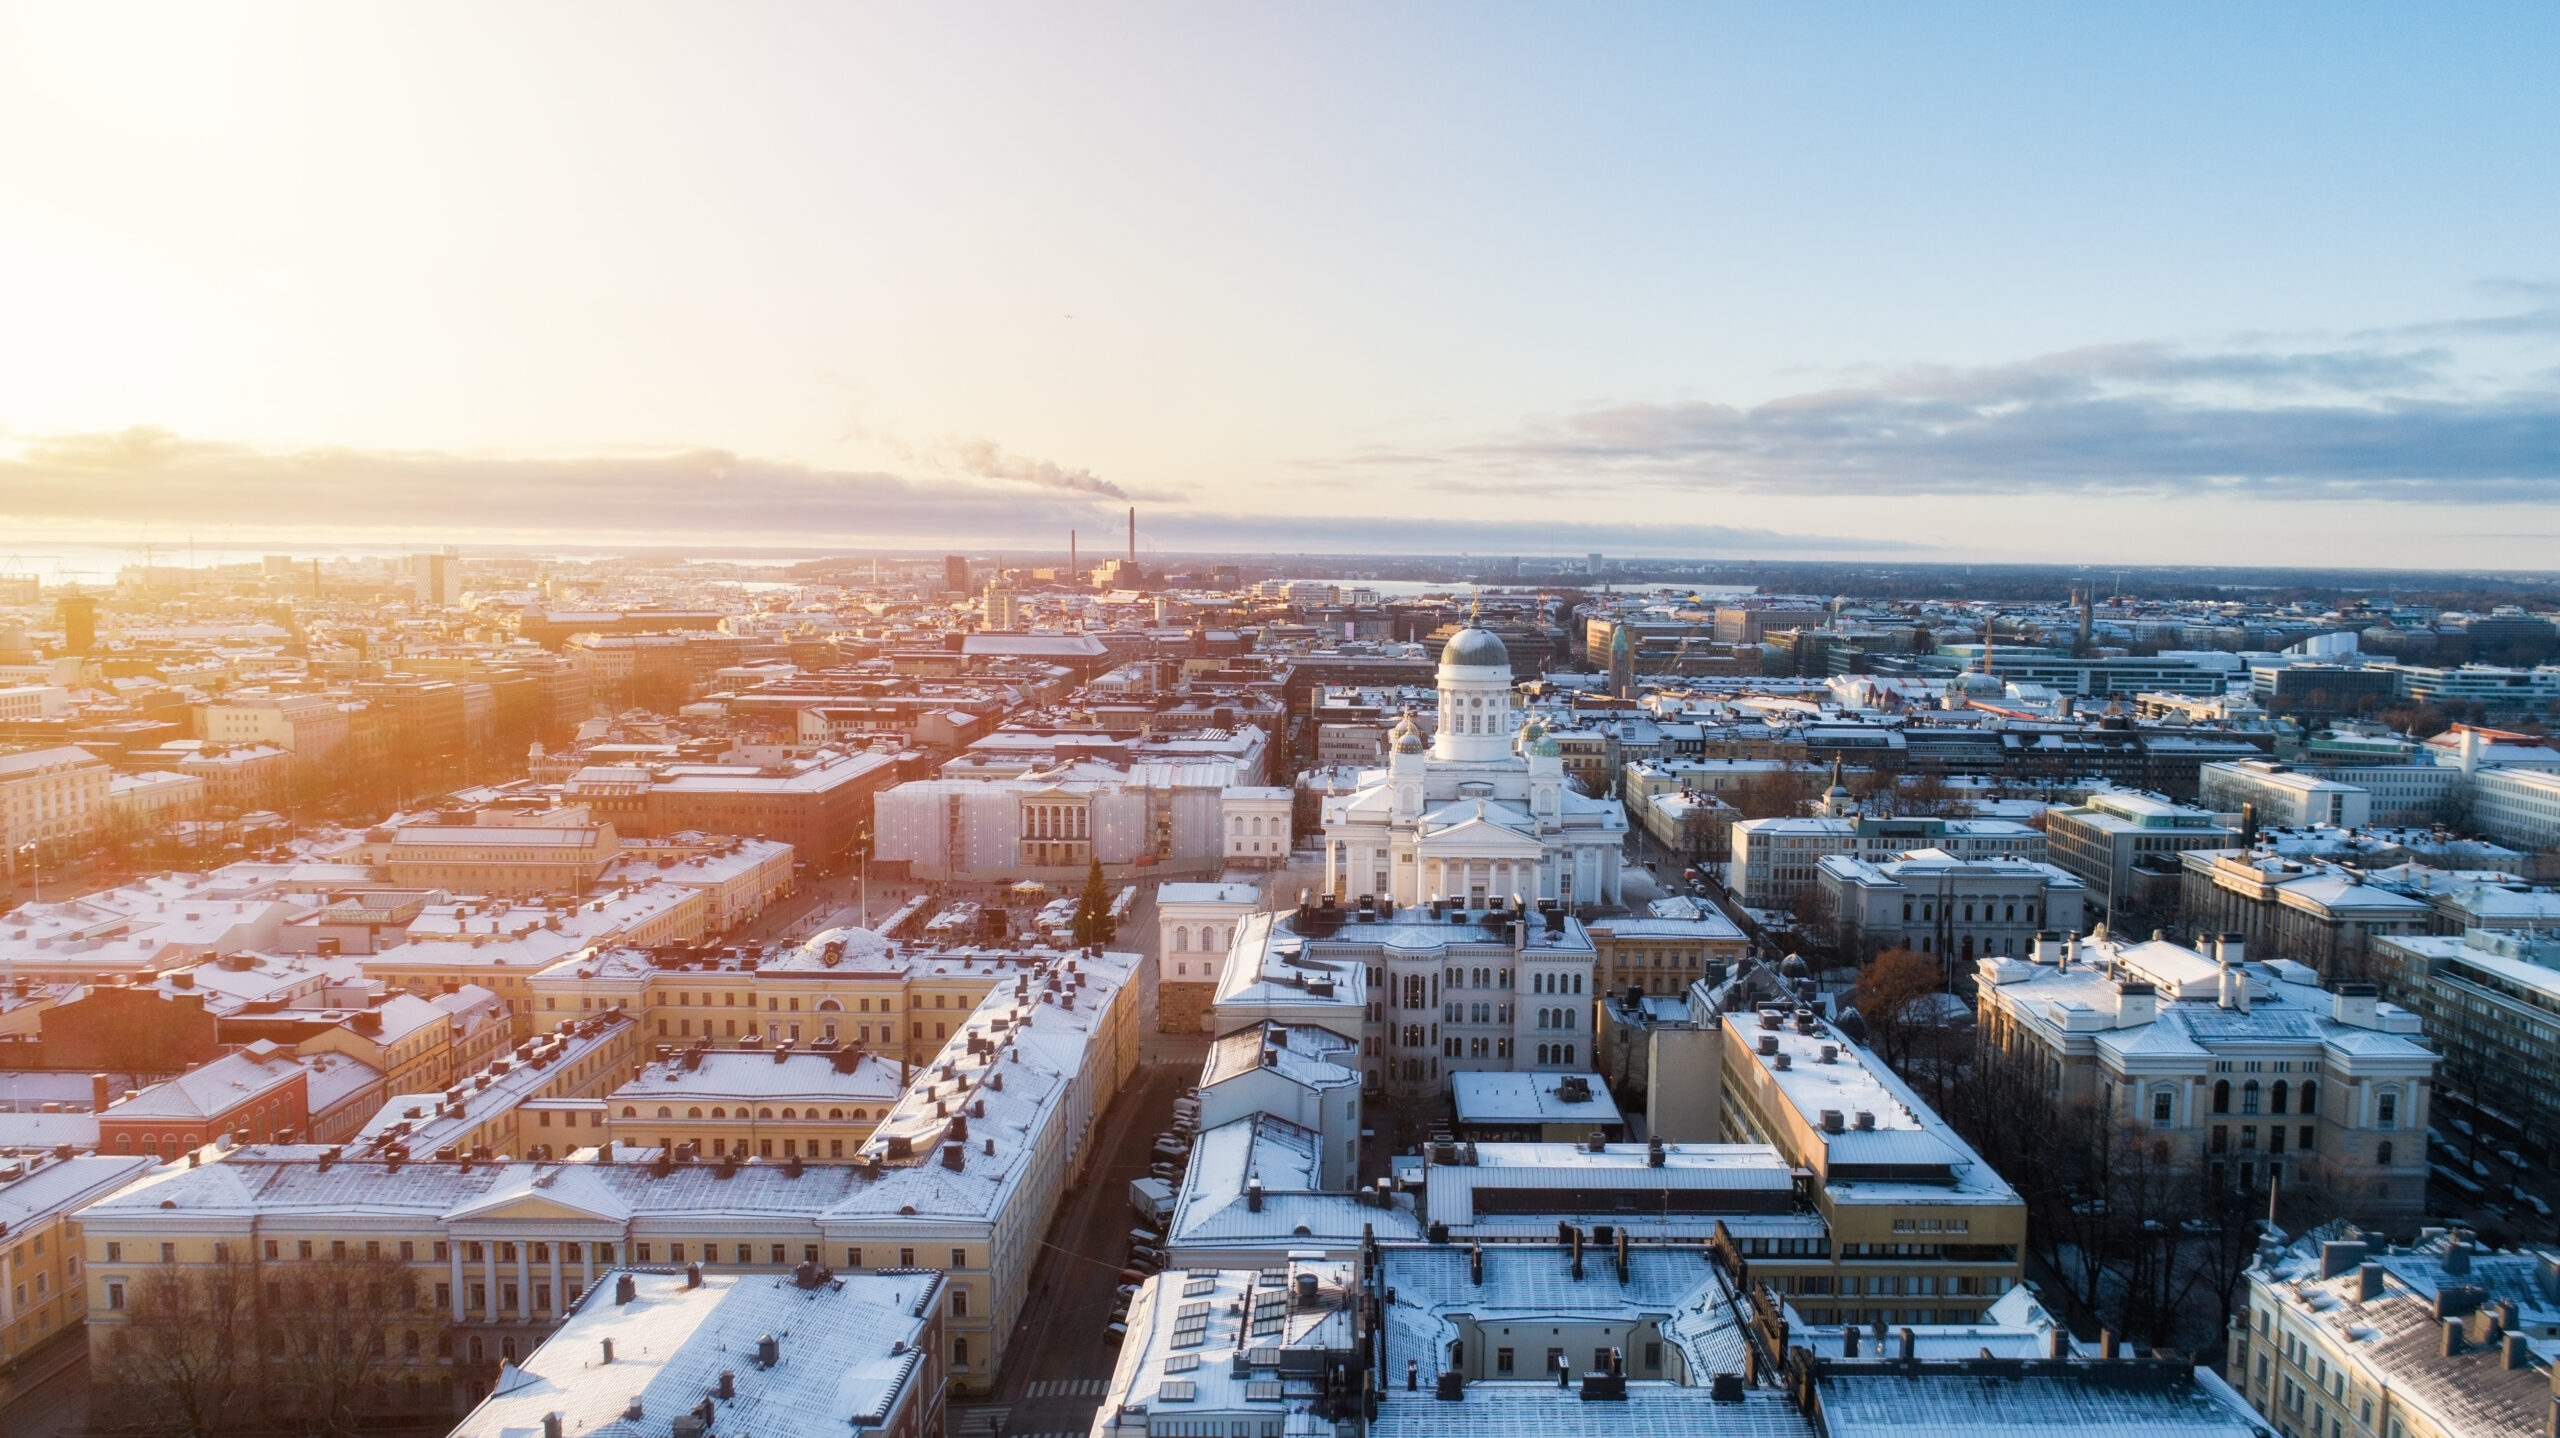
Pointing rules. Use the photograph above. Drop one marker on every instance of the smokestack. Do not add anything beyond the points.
(1133, 537)
(1071, 556)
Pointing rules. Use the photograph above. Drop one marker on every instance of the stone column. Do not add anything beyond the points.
(489, 1275)
(559, 1295)
(586, 1268)
(524, 1280)
(453, 1253)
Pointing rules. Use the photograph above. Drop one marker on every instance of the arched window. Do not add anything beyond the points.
(2382, 1153)
(1577, 983)
(629, 1112)
(2249, 1096)
(722, 1112)
(760, 1113)
(665, 1112)
(2310, 1102)
(861, 1114)
(790, 1113)
(1542, 1053)
(1568, 1053)
(2222, 1095)
(831, 1113)
(2163, 1105)
(1182, 939)
(2275, 1100)
(693, 1113)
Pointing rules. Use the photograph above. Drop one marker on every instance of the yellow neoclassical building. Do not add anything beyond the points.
(846, 985)
(783, 1105)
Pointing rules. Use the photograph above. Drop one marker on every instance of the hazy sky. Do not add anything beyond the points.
(2273, 284)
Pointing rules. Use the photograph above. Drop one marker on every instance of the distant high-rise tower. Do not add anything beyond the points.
(955, 573)
(1592, 564)
(1622, 661)
(79, 623)
(439, 578)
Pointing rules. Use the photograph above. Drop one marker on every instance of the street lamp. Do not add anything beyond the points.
(862, 867)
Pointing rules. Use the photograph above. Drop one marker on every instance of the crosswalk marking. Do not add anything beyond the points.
(1068, 1388)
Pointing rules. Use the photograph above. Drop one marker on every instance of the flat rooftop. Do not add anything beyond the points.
(1542, 1098)
(844, 1354)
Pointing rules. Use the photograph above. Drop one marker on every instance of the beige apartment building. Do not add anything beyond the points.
(50, 797)
(803, 1104)
(962, 1178)
(41, 1287)
(501, 860)
(311, 727)
(845, 985)
(2251, 1071)
(1918, 1229)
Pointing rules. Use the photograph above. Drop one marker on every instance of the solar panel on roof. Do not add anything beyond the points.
(1192, 1310)
(1181, 1390)
(1197, 1286)
(1182, 1363)
(1262, 1390)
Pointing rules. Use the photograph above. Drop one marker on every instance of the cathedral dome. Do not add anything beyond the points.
(1474, 647)
(1406, 737)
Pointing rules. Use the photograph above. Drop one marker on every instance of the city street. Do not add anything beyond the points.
(49, 1391)
(1056, 1358)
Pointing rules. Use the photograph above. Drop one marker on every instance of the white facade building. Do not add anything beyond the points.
(2282, 794)
(1257, 820)
(1054, 821)
(1194, 925)
(2519, 807)
(1482, 813)
(1774, 860)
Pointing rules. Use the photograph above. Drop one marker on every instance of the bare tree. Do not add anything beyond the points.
(1896, 996)
(185, 1359)
(334, 1329)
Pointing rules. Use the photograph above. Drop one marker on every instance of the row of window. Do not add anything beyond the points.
(775, 1031)
(442, 1251)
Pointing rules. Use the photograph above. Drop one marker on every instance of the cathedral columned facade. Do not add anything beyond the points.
(1482, 812)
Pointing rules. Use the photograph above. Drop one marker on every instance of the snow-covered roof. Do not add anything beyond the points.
(1489, 1096)
(1187, 1329)
(1302, 1053)
(738, 1075)
(846, 1354)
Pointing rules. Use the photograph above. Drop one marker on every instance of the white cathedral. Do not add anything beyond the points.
(1485, 811)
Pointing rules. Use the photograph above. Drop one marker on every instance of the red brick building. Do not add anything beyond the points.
(259, 1094)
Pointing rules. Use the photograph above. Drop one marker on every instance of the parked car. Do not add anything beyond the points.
(1163, 1170)
(1134, 1275)
(1114, 1333)
(1146, 1235)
